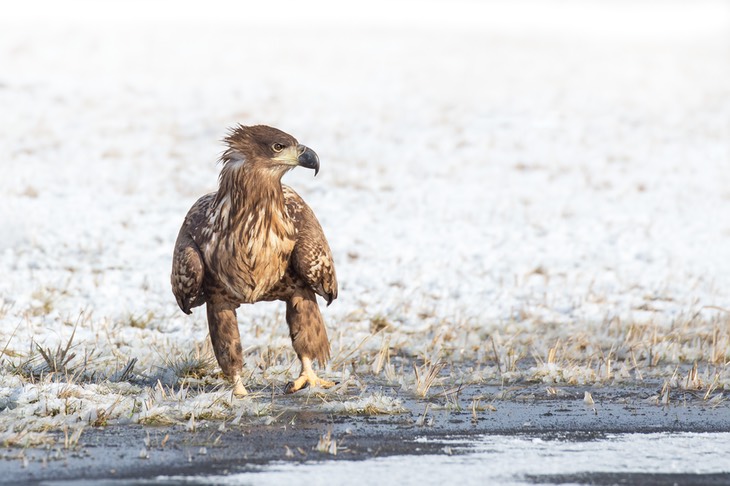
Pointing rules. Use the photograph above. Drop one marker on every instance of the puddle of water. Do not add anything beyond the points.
(518, 460)
(650, 459)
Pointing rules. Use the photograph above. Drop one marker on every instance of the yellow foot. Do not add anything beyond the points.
(238, 389)
(307, 379)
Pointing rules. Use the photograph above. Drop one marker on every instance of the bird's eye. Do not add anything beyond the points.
(277, 147)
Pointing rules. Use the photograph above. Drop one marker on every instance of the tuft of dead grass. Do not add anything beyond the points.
(327, 444)
(196, 363)
(140, 321)
(426, 376)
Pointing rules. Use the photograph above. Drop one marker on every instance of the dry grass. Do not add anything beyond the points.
(382, 359)
(327, 444)
(426, 376)
(196, 363)
(126, 373)
(44, 300)
(689, 354)
(140, 321)
(71, 441)
(57, 361)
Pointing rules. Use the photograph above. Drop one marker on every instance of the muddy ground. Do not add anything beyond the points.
(134, 452)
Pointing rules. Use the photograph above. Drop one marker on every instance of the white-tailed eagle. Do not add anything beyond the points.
(253, 240)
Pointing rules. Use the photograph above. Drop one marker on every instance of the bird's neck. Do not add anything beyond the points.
(246, 196)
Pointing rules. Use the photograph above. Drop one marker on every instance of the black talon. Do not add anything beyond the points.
(288, 389)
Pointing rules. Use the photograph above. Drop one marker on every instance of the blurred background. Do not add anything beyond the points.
(525, 161)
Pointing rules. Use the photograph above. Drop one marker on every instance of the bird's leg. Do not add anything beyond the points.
(308, 337)
(226, 341)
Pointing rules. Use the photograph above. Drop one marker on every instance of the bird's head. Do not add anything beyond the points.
(266, 149)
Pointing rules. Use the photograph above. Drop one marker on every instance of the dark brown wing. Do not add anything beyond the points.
(311, 259)
(188, 269)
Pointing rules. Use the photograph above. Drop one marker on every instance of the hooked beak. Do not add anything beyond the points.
(308, 158)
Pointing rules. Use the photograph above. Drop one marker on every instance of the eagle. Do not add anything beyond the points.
(253, 240)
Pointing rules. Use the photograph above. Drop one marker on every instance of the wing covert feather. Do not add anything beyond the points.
(311, 258)
(188, 268)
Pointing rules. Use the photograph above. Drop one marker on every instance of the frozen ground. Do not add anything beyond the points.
(513, 194)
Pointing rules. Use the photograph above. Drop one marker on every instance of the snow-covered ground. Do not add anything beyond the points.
(497, 178)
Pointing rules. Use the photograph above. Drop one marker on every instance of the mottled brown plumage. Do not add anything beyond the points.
(256, 240)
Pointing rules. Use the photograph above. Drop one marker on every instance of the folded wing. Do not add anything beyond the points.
(311, 258)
